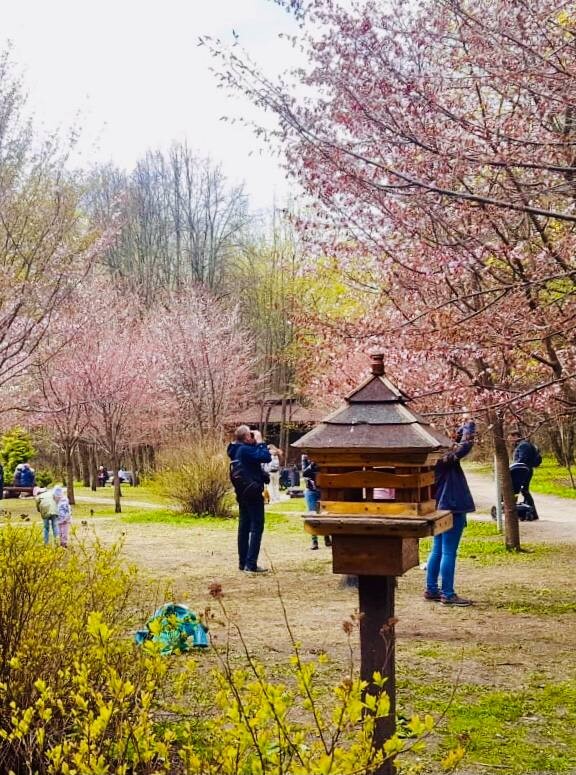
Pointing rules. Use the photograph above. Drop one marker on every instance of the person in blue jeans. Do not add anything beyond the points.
(452, 494)
(47, 504)
(312, 495)
(248, 454)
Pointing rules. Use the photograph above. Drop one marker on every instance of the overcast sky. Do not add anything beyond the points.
(131, 73)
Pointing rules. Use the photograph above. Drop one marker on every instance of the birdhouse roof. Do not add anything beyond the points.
(375, 417)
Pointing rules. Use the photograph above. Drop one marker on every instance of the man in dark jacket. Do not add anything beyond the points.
(247, 454)
(525, 458)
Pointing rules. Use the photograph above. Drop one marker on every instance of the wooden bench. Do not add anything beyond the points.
(15, 491)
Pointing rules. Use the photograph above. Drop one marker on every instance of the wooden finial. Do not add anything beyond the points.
(377, 364)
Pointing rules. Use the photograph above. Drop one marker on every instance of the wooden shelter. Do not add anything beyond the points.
(376, 458)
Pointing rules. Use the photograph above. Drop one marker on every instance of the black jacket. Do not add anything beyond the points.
(525, 453)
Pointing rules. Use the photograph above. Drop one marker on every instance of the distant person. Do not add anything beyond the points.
(247, 453)
(27, 476)
(312, 495)
(525, 458)
(18, 475)
(273, 469)
(64, 519)
(102, 476)
(452, 494)
(47, 504)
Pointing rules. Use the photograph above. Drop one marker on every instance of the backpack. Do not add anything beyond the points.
(243, 485)
(537, 457)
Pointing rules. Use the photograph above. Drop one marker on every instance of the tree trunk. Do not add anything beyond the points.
(117, 491)
(93, 468)
(84, 453)
(511, 524)
(135, 466)
(76, 465)
(151, 454)
(69, 463)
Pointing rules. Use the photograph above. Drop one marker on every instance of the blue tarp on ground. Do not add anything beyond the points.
(176, 628)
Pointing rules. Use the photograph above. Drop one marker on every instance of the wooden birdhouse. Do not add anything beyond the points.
(376, 460)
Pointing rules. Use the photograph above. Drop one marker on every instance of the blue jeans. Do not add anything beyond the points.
(312, 498)
(52, 519)
(442, 559)
(250, 529)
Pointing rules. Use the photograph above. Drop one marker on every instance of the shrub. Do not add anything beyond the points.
(75, 693)
(196, 477)
(44, 478)
(15, 447)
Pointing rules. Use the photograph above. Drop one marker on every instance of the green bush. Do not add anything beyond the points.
(15, 447)
(196, 476)
(74, 691)
(44, 478)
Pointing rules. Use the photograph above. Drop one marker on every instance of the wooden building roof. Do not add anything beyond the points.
(270, 411)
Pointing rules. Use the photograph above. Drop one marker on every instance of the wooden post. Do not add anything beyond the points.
(377, 650)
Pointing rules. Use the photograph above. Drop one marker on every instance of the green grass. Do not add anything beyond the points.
(482, 543)
(536, 602)
(549, 478)
(274, 520)
(518, 730)
(145, 493)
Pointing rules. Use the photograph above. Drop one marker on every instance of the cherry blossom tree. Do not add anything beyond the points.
(47, 247)
(106, 379)
(438, 141)
(205, 360)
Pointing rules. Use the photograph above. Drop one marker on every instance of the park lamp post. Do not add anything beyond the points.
(375, 460)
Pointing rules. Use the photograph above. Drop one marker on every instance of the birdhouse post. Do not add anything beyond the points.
(375, 460)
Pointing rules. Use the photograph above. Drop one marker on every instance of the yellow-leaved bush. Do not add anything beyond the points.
(77, 697)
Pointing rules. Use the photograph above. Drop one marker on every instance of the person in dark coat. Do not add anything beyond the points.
(27, 477)
(312, 494)
(452, 494)
(248, 453)
(525, 458)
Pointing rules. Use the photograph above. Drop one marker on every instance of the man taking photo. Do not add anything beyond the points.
(247, 454)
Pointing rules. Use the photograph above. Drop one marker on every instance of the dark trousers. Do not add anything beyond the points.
(250, 529)
(521, 484)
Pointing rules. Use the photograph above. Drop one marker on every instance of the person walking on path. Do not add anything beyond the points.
(64, 519)
(47, 504)
(525, 458)
(248, 454)
(452, 494)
